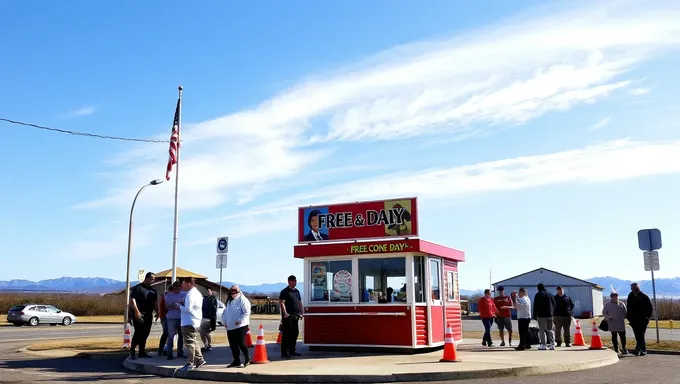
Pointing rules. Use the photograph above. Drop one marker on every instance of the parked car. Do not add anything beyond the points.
(34, 314)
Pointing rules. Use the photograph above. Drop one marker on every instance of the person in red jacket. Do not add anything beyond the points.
(487, 311)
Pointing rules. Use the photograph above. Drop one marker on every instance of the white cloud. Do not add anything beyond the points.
(601, 123)
(598, 163)
(506, 74)
(84, 111)
(638, 91)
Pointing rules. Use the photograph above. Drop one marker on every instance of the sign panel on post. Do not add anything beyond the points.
(222, 245)
(361, 220)
(649, 239)
(651, 260)
(221, 261)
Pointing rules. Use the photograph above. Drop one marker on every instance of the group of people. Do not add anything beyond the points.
(554, 314)
(184, 312)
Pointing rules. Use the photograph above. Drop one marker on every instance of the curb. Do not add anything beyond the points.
(69, 354)
(661, 352)
(247, 377)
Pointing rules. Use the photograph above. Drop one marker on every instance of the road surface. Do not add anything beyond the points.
(28, 334)
(21, 368)
(76, 331)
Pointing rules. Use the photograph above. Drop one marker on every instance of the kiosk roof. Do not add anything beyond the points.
(357, 248)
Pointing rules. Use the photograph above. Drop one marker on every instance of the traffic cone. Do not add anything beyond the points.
(450, 354)
(249, 339)
(126, 337)
(279, 337)
(595, 340)
(579, 341)
(260, 354)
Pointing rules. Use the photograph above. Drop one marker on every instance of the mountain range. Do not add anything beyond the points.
(665, 287)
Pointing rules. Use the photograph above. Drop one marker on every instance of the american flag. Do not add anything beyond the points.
(174, 143)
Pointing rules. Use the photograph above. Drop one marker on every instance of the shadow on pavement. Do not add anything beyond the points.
(80, 369)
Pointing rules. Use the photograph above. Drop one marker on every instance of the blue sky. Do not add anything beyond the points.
(534, 136)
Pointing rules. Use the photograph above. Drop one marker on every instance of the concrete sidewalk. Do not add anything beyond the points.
(327, 367)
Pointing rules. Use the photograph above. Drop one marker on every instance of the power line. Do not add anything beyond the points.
(86, 134)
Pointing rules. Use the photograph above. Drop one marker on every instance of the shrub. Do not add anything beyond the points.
(77, 304)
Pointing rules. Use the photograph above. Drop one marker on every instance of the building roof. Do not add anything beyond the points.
(181, 274)
(551, 271)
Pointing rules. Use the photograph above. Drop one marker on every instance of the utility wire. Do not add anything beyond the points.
(86, 134)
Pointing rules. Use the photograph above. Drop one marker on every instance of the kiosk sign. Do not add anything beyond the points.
(362, 220)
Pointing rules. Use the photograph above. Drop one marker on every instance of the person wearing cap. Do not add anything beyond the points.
(640, 310)
(543, 312)
(523, 306)
(615, 312)
(173, 319)
(504, 318)
(291, 313)
(487, 312)
(564, 311)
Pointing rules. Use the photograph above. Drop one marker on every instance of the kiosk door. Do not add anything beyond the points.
(437, 303)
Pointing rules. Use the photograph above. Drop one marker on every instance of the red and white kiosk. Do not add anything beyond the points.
(397, 293)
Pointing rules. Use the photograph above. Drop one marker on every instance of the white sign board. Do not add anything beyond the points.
(651, 260)
(222, 245)
(221, 261)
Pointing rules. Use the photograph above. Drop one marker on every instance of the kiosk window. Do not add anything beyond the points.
(382, 280)
(434, 280)
(452, 286)
(419, 278)
(331, 281)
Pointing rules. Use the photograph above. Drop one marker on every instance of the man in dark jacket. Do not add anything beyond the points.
(209, 321)
(544, 310)
(564, 311)
(640, 310)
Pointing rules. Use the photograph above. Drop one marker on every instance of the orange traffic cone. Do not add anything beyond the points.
(279, 337)
(260, 354)
(595, 340)
(249, 339)
(450, 354)
(579, 341)
(126, 337)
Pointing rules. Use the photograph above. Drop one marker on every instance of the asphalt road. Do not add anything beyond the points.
(27, 334)
(22, 368)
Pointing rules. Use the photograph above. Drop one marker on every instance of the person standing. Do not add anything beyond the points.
(192, 311)
(236, 318)
(487, 312)
(615, 313)
(544, 310)
(564, 311)
(173, 319)
(209, 320)
(504, 319)
(291, 312)
(163, 311)
(523, 306)
(143, 301)
(640, 310)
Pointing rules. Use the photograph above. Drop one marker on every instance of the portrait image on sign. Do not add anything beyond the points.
(361, 220)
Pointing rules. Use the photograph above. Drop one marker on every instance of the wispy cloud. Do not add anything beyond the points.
(84, 111)
(603, 162)
(506, 74)
(638, 91)
(601, 123)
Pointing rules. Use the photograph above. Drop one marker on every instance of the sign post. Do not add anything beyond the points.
(221, 261)
(649, 241)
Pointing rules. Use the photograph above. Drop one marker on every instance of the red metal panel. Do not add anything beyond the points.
(437, 323)
(366, 329)
(421, 325)
(452, 308)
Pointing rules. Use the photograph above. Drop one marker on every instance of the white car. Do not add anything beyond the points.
(220, 310)
(34, 314)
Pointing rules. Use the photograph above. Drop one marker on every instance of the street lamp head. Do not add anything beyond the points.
(156, 182)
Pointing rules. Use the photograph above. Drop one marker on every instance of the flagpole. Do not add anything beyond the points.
(174, 237)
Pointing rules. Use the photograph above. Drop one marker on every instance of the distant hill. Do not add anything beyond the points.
(666, 287)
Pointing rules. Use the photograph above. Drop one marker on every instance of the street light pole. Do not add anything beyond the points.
(129, 253)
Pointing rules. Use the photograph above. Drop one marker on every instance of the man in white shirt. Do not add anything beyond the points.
(523, 307)
(192, 313)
